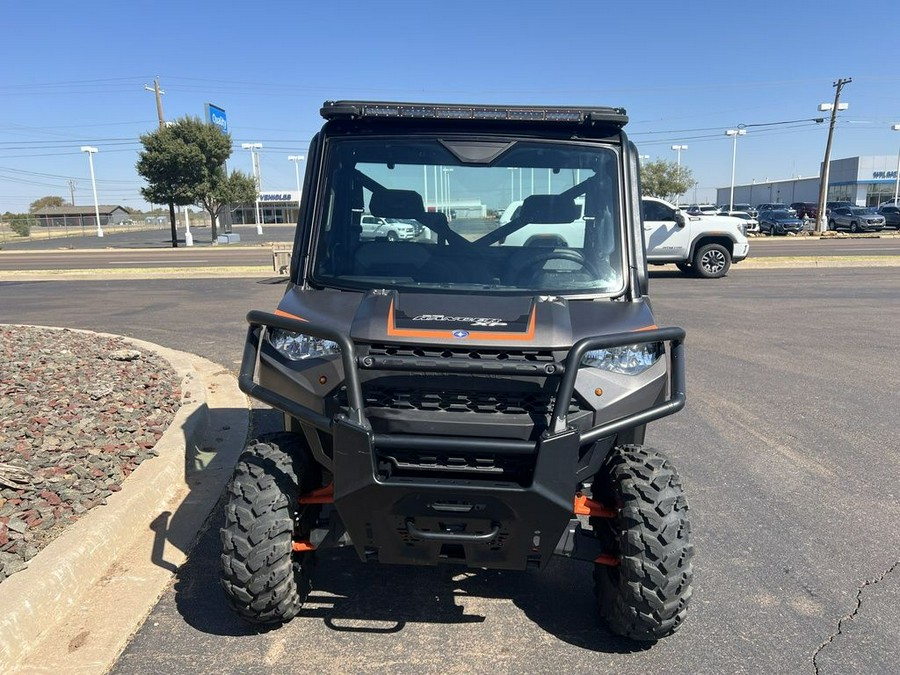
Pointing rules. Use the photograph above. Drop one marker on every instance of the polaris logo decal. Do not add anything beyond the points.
(471, 320)
(460, 333)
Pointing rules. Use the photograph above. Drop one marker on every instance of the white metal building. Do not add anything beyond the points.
(865, 181)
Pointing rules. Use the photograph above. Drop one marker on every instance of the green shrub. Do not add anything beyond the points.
(22, 226)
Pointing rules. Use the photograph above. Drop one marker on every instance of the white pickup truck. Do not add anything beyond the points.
(703, 245)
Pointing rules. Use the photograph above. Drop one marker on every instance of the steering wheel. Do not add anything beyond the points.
(534, 263)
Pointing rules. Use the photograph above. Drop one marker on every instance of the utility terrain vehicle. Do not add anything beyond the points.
(465, 396)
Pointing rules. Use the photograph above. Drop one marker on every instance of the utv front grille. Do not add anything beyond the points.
(502, 403)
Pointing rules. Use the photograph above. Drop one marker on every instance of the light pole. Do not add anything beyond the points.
(896, 127)
(90, 153)
(734, 133)
(821, 224)
(254, 159)
(296, 159)
(446, 174)
(678, 149)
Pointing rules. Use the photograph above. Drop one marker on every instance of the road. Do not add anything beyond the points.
(150, 250)
(120, 259)
(787, 448)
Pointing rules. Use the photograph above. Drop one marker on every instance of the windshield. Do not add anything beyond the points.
(471, 216)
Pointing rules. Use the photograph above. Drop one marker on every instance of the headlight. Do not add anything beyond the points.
(298, 346)
(627, 360)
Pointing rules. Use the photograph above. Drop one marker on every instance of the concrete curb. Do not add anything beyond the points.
(80, 599)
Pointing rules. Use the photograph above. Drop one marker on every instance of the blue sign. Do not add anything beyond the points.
(217, 116)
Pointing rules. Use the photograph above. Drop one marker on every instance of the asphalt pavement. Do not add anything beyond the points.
(786, 449)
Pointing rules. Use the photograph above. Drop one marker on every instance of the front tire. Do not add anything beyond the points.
(854, 228)
(392, 236)
(264, 579)
(645, 596)
(712, 261)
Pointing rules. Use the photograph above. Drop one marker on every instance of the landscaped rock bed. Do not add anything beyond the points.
(78, 413)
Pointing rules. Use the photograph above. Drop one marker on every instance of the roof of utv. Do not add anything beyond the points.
(557, 116)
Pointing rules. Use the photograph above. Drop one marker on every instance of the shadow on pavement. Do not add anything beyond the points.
(352, 597)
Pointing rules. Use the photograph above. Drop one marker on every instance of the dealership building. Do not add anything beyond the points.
(865, 181)
(274, 207)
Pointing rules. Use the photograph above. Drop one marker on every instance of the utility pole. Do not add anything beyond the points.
(822, 222)
(162, 125)
(72, 190)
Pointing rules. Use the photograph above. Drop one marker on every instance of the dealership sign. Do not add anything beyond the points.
(884, 174)
(275, 197)
(217, 117)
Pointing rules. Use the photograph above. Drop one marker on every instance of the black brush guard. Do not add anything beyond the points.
(481, 523)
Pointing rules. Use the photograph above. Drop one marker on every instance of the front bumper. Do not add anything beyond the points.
(471, 519)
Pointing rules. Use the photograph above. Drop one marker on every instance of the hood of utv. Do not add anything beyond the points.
(524, 321)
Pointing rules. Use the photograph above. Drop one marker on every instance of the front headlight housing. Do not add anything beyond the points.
(627, 360)
(299, 346)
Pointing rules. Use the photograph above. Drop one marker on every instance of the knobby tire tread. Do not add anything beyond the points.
(264, 580)
(646, 596)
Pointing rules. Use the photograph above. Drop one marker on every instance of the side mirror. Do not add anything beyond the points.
(679, 219)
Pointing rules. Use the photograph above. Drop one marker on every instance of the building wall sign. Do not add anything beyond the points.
(275, 197)
(217, 117)
(884, 174)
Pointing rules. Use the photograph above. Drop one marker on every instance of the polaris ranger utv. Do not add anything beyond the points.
(466, 395)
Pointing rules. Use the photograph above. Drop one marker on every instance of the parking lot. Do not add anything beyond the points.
(786, 448)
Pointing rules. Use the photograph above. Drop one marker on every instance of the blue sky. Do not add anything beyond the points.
(73, 74)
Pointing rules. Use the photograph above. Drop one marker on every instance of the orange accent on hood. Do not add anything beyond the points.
(281, 312)
(652, 326)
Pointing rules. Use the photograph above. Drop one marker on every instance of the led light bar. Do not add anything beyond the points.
(449, 111)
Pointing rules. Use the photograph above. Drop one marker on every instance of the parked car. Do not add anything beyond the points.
(809, 210)
(835, 205)
(855, 219)
(779, 222)
(893, 201)
(891, 213)
(775, 207)
(744, 207)
(751, 224)
(702, 210)
(390, 229)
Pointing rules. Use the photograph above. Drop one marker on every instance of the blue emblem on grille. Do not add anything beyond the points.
(460, 333)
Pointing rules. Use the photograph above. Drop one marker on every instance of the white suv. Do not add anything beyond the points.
(389, 229)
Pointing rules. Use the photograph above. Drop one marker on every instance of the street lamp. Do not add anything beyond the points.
(678, 149)
(512, 183)
(90, 153)
(896, 127)
(296, 159)
(734, 133)
(254, 159)
(446, 171)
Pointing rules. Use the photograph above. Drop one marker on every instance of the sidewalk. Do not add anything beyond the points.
(76, 605)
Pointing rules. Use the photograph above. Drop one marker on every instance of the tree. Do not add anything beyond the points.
(665, 180)
(183, 163)
(237, 188)
(44, 202)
